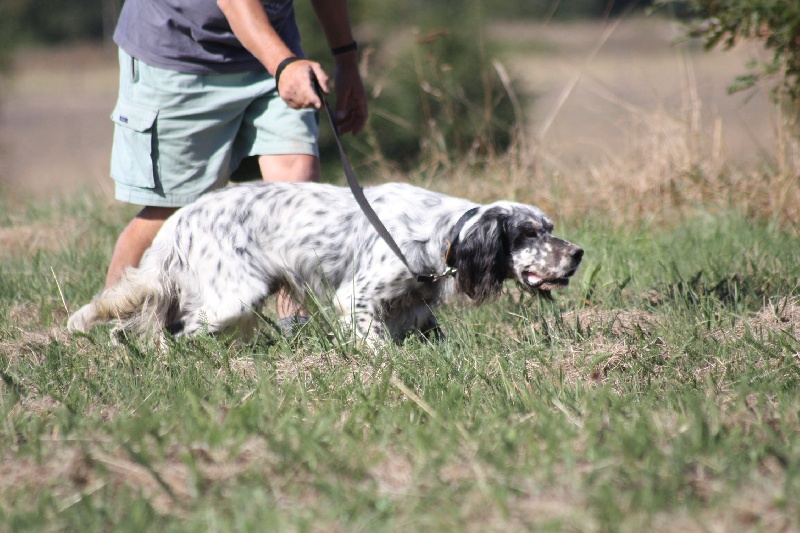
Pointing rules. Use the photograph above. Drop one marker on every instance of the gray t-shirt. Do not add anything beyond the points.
(194, 36)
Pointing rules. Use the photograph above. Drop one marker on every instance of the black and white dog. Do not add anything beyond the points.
(214, 262)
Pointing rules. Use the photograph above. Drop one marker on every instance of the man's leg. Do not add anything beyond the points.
(137, 237)
(294, 168)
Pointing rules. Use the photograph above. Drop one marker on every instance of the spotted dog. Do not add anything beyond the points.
(214, 262)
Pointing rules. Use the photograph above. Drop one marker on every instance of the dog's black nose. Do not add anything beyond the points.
(576, 253)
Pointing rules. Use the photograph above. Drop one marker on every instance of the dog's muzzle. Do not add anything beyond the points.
(540, 282)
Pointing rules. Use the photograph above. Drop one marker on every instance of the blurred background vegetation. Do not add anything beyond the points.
(438, 87)
(37, 22)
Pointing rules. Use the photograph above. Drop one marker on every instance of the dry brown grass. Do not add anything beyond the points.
(27, 239)
(667, 174)
(612, 347)
(75, 469)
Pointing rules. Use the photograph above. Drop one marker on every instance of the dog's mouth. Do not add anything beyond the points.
(534, 281)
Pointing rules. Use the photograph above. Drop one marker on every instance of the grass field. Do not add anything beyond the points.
(659, 392)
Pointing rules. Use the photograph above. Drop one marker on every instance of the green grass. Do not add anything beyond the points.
(658, 392)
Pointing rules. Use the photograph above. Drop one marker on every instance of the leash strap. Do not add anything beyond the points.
(358, 193)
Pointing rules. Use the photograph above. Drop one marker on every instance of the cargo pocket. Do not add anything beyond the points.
(132, 154)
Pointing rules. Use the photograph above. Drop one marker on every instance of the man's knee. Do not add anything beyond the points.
(156, 214)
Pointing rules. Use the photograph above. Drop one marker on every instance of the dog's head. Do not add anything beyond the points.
(508, 240)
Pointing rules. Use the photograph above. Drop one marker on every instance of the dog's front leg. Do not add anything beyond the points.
(419, 321)
(361, 315)
(368, 329)
(431, 331)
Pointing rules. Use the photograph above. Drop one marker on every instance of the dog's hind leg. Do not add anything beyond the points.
(219, 312)
(214, 319)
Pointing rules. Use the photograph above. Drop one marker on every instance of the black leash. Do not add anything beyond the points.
(370, 213)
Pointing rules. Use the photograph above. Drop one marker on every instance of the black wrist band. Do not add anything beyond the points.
(339, 50)
(282, 65)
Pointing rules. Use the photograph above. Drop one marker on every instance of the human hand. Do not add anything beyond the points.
(296, 84)
(351, 98)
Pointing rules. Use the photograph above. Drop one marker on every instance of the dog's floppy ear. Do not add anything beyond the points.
(481, 258)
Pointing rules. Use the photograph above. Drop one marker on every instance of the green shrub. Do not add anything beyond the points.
(435, 94)
(439, 99)
(775, 22)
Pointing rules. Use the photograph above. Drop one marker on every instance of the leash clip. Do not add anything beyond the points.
(434, 278)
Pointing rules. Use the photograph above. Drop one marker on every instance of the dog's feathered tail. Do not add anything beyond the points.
(140, 303)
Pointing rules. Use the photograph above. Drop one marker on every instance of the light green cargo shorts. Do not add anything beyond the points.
(180, 135)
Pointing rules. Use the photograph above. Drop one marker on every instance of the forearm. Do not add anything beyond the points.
(351, 99)
(334, 18)
(251, 26)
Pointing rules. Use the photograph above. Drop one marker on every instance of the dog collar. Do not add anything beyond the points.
(455, 239)
(449, 252)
